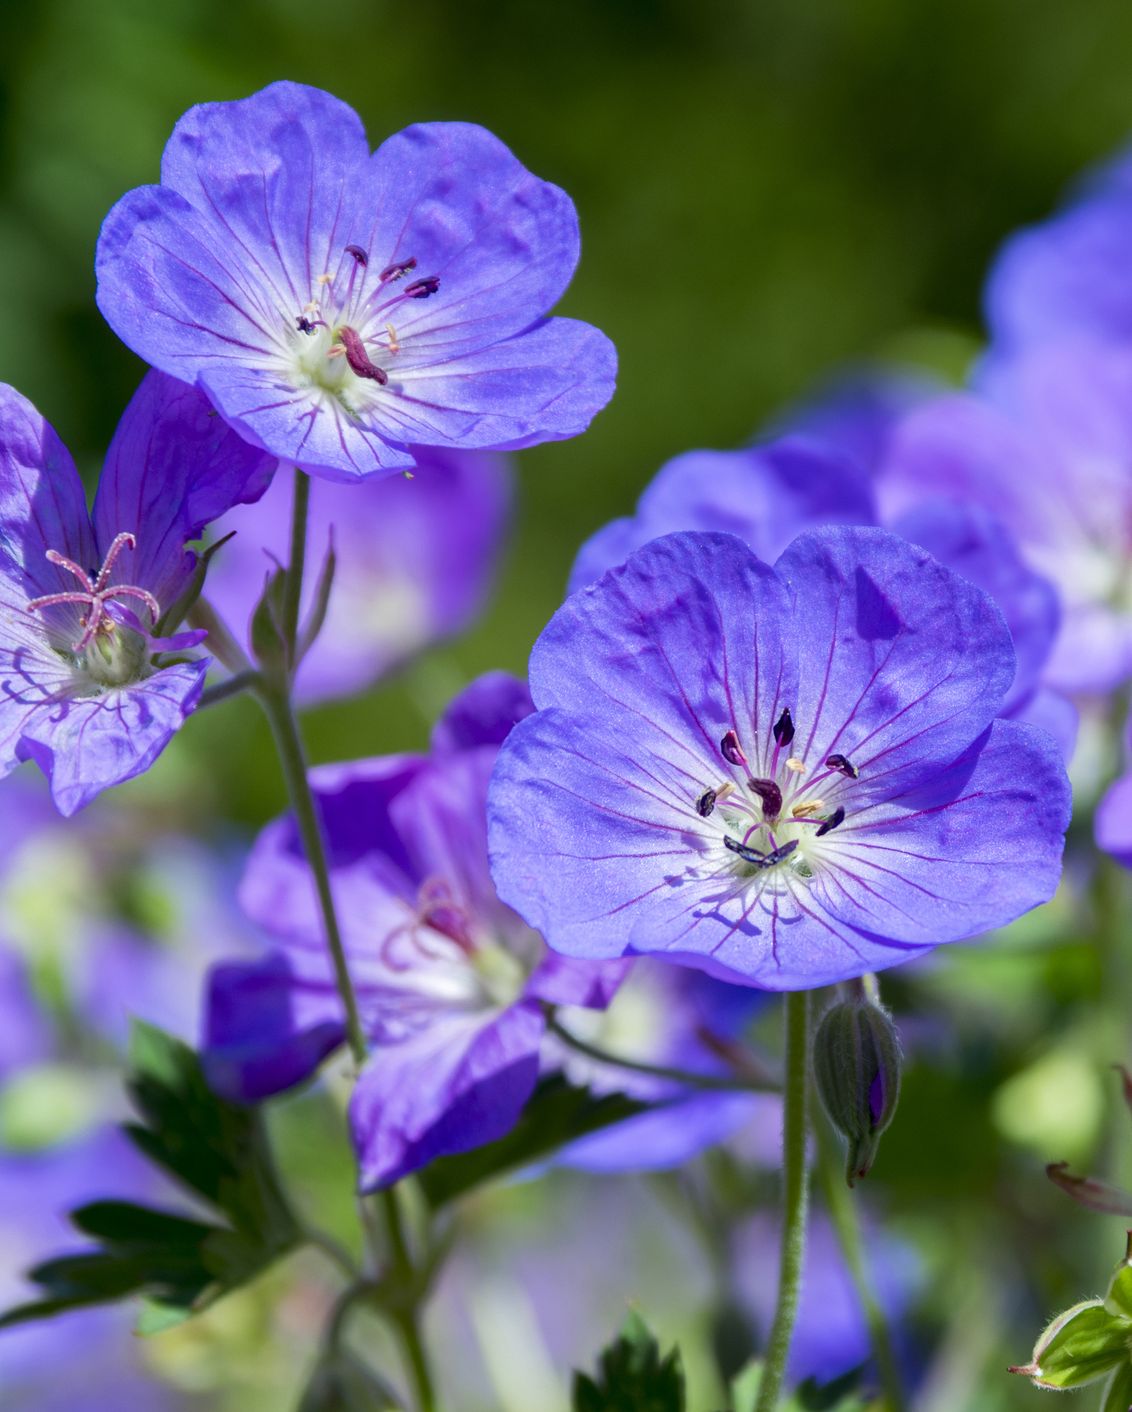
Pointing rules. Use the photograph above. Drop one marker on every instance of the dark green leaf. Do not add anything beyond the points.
(632, 1376)
(557, 1114)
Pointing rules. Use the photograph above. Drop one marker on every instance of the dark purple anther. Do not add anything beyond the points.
(784, 728)
(706, 803)
(395, 271)
(731, 750)
(422, 288)
(359, 254)
(828, 825)
(839, 762)
(769, 794)
(358, 358)
(752, 855)
(304, 324)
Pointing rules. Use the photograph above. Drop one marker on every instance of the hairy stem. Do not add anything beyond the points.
(842, 1208)
(795, 1182)
(710, 1082)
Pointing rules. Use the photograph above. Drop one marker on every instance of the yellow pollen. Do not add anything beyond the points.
(798, 766)
(325, 279)
(311, 307)
(394, 346)
(811, 806)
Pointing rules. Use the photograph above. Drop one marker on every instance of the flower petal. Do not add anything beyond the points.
(456, 1084)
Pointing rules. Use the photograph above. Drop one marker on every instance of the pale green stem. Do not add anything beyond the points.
(795, 1198)
(405, 1315)
(293, 585)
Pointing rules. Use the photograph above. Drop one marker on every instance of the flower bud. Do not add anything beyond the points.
(857, 1073)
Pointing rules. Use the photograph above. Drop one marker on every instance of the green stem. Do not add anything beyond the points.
(795, 1182)
(405, 1315)
(843, 1213)
(275, 699)
(710, 1082)
(231, 686)
(293, 584)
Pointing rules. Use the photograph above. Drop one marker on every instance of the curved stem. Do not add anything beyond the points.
(405, 1315)
(293, 584)
(795, 1182)
(842, 1210)
(710, 1082)
(334, 1250)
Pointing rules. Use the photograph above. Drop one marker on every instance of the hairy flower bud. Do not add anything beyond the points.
(857, 1073)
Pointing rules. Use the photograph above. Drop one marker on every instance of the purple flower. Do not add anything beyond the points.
(1043, 443)
(86, 689)
(451, 983)
(785, 776)
(415, 558)
(768, 494)
(338, 306)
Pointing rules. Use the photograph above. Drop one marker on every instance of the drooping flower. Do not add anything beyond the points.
(451, 983)
(414, 560)
(87, 690)
(338, 306)
(769, 493)
(786, 776)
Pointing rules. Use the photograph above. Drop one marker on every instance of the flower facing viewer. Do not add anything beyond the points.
(337, 305)
(450, 982)
(786, 776)
(86, 689)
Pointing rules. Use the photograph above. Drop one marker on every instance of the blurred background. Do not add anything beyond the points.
(769, 192)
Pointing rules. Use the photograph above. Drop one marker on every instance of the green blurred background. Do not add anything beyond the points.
(768, 192)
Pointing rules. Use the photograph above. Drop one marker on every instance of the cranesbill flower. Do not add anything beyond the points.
(87, 690)
(769, 493)
(450, 982)
(415, 558)
(786, 776)
(339, 306)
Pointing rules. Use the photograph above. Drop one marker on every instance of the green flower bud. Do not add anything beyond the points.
(857, 1073)
(269, 646)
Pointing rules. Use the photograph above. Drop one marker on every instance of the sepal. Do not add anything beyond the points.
(857, 1063)
(1078, 1347)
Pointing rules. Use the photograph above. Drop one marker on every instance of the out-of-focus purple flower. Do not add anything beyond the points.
(339, 307)
(414, 560)
(831, 1336)
(1069, 274)
(86, 689)
(25, 1034)
(785, 776)
(1044, 443)
(769, 494)
(450, 981)
(665, 1015)
(102, 1366)
(1113, 821)
(855, 414)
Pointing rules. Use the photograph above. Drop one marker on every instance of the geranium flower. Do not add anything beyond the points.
(415, 558)
(337, 306)
(87, 690)
(450, 982)
(786, 776)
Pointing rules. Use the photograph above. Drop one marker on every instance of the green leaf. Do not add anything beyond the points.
(745, 1388)
(1118, 1299)
(1080, 1346)
(1118, 1390)
(179, 1263)
(632, 1376)
(557, 1114)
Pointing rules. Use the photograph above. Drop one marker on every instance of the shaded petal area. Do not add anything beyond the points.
(266, 1028)
(85, 744)
(766, 495)
(458, 1083)
(484, 713)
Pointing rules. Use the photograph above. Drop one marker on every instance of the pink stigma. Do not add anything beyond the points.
(94, 594)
